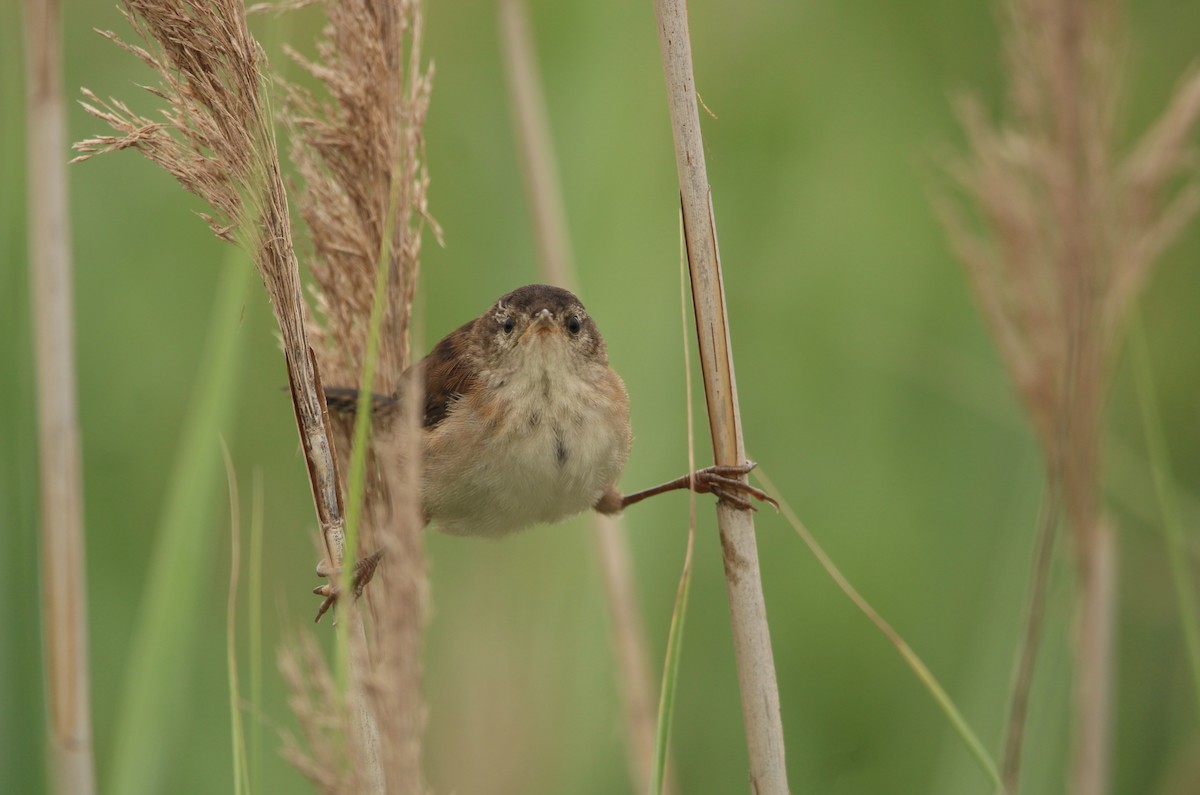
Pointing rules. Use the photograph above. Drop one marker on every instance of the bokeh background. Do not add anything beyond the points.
(869, 390)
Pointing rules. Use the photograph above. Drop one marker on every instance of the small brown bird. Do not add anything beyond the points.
(525, 422)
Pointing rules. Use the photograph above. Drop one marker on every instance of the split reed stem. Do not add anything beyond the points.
(751, 633)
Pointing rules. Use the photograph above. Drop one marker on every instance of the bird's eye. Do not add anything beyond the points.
(509, 324)
(574, 324)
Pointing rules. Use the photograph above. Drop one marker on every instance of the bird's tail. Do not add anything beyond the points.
(343, 400)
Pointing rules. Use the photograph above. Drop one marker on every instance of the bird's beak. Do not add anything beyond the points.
(543, 322)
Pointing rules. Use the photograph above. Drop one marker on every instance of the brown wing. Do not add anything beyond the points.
(450, 373)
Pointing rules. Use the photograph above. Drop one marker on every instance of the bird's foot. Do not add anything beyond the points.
(364, 570)
(722, 481)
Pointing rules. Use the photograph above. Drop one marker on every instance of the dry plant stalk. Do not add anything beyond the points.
(751, 633)
(217, 139)
(1070, 233)
(64, 581)
(548, 217)
(361, 157)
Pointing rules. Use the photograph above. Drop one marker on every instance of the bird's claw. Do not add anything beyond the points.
(364, 571)
(722, 481)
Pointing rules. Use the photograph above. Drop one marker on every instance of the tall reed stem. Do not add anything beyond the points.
(64, 583)
(1095, 664)
(549, 221)
(751, 633)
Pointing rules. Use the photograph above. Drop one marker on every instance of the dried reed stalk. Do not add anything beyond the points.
(64, 582)
(751, 633)
(1070, 234)
(361, 157)
(548, 217)
(217, 139)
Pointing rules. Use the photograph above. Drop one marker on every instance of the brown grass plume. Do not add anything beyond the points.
(359, 151)
(1067, 233)
(360, 155)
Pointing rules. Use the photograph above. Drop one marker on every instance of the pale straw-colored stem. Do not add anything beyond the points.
(64, 584)
(751, 633)
(536, 146)
(1094, 671)
(548, 217)
(634, 675)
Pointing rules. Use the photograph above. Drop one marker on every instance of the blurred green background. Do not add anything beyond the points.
(869, 390)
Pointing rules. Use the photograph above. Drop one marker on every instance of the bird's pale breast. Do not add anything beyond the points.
(541, 445)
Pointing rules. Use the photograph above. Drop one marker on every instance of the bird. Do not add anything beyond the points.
(525, 422)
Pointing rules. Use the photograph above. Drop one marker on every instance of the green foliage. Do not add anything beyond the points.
(152, 720)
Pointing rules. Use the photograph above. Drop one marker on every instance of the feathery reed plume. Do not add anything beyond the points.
(1069, 234)
(328, 759)
(217, 139)
(361, 158)
(62, 549)
(360, 155)
(748, 611)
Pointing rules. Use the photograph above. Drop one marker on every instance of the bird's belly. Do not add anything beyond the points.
(540, 464)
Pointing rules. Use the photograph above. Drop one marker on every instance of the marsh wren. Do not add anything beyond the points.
(525, 423)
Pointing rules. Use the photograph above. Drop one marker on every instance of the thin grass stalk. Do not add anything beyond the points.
(237, 733)
(63, 553)
(1096, 664)
(357, 482)
(535, 144)
(255, 628)
(670, 680)
(751, 633)
(629, 646)
(150, 718)
(1164, 489)
(549, 222)
(356, 485)
(1027, 650)
(910, 657)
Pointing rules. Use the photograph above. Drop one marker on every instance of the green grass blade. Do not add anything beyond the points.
(666, 698)
(256, 632)
(356, 483)
(150, 720)
(909, 656)
(241, 776)
(1164, 488)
